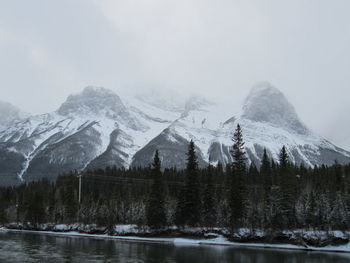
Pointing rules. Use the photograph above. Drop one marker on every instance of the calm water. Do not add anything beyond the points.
(25, 247)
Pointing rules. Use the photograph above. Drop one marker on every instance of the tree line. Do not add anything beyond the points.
(277, 195)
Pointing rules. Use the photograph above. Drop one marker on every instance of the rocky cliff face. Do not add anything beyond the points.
(266, 104)
(96, 128)
(90, 130)
(268, 121)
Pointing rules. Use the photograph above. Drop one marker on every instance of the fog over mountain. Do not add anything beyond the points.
(218, 49)
(96, 128)
(10, 113)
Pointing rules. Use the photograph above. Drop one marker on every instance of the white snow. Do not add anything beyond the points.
(142, 118)
(205, 125)
(217, 241)
(143, 123)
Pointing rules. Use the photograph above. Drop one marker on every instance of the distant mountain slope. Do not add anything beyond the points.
(199, 121)
(268, 121)
(96, 128)
(91, 129)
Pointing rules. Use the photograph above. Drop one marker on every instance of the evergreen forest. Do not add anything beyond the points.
(269, 196)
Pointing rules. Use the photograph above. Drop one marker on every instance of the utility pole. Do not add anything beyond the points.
(80, 175)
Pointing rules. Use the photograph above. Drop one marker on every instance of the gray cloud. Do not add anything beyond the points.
(50, 49)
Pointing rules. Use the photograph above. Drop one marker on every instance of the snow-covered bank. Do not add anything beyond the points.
(337, 241)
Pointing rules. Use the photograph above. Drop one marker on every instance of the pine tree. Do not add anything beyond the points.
(180, 213)
(266, 174)
(188, 210)
(238, 153)
(275, 219)
(51, 205)
(237, 191)
(265, 170)
(3, 216)
(287, 186)
(209, 206)
(155, 208)
(253, 174)
(311, 216)
(339, 214)
(283, 158)
(35, 212)
(70, 199)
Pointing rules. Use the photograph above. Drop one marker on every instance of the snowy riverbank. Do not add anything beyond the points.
(328, 241)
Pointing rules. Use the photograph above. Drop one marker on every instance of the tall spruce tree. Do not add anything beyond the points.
(284, 158)
(155, 208)
(3, 216)
(188, 210)
(209, 207)
(238, 152)
(36, 210)
(265, 170)
(299, 197)
(287, 182)
(236, 198)
(311, 215)
(70, 199)
(266, 175)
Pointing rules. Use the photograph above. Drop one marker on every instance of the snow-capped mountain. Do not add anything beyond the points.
(91, 129)
(96, 128)
(200, 121)
(268, 121)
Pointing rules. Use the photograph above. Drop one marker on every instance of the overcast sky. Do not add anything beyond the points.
(218, 48)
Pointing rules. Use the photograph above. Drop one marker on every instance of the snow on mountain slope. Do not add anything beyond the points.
(91, 129)
(268, 121)
(266, 104)
(21, 142)
(199, 121)
(96, 128)
(126, 141)
(32, 137)
(155, 116)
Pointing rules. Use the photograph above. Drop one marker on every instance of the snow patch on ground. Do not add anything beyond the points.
(133, 232)
(217, 241)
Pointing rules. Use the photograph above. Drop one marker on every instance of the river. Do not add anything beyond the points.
(32, 247)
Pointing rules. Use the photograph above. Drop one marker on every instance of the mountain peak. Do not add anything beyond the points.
(93, 100)
(264, 87)
(96, 91)
(266, 103)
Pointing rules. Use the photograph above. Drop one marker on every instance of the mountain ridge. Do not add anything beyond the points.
(97, 128)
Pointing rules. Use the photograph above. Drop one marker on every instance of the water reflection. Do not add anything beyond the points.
(25, 247)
